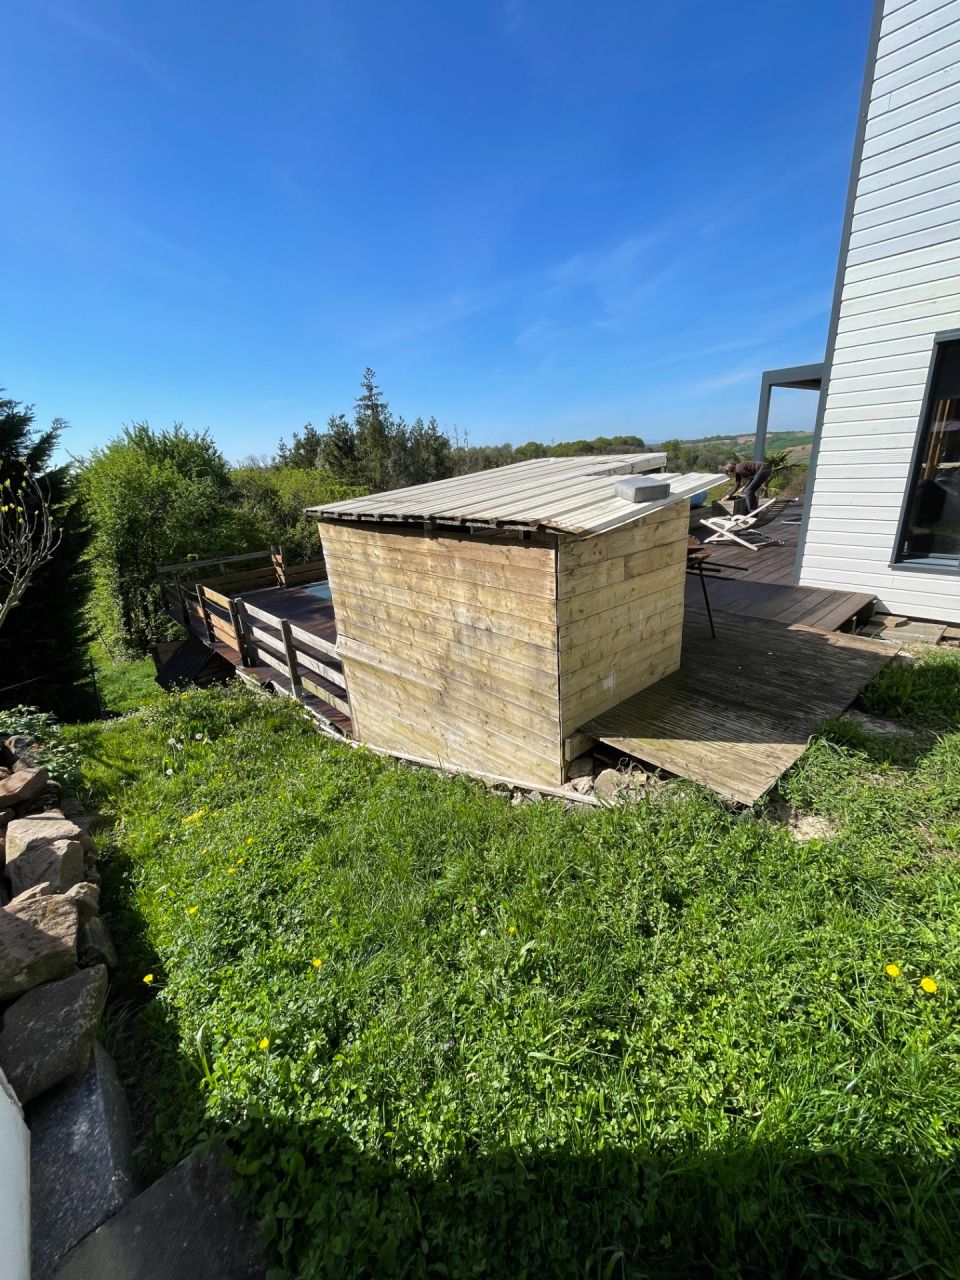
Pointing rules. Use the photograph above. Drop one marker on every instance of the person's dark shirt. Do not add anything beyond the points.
(747, 470)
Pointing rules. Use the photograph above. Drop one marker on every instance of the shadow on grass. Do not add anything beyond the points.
(901, 750)
(160, 1079)
(749, 1211)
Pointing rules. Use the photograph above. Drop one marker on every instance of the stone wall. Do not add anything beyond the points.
(55, 957)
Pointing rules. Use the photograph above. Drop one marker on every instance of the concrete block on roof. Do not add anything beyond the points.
(642, 489)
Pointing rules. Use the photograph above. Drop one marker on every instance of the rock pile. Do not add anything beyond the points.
(55, 953)
(590, 776)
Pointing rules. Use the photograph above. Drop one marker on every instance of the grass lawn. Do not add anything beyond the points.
(124, 685)
(448, 1036)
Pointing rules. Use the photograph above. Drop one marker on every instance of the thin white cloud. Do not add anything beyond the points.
(122, 47)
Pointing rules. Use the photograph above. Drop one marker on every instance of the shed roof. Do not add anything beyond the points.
(567, 495)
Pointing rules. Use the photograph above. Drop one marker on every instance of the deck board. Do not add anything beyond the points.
(761, 583)
(740, 710)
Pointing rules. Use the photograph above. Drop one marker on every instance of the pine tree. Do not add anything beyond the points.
(338, 450)
(304, 451)
(43, 643)
(373, 428)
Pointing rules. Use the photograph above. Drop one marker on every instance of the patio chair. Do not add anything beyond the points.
(732, 528)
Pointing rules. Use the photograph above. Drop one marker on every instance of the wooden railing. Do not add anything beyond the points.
(309, 663)
(180, 584)
(214, 606)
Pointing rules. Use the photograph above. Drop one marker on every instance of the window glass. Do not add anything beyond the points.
(931, 529)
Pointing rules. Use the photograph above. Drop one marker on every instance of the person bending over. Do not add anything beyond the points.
(750, 478)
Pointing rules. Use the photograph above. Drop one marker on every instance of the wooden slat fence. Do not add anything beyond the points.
(309, 663)
(178, 582)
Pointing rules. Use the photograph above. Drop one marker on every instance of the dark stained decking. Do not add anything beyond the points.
(762, 583)
(741, 708)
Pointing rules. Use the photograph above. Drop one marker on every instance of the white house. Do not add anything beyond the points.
(884, 509)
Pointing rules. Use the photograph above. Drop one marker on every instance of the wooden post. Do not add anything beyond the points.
(238, 631)
(296, 684)
(279, 565)
(203, 614)
(238, 613)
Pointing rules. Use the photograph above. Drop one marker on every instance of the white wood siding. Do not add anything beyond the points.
(901, 285)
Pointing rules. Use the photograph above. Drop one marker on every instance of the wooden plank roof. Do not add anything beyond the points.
(567, 495)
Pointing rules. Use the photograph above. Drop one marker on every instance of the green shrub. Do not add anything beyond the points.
(54, 750)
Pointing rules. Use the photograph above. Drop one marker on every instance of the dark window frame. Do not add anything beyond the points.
(930, 564)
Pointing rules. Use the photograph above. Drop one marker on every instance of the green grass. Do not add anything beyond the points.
(651, 1042)
(124, 684)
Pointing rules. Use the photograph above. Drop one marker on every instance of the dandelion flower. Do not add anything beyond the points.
(929, 986)
(316, 963)
(231, 870)
(512, 928)
(892, 970)
(148, 978)
(264, 1043)
(249, 839)
(191, 911)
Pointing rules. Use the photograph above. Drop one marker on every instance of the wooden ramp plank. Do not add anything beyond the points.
(741, 709)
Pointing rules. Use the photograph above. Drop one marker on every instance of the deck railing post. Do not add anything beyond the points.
(279, 565)
(296, 682)
(238, 611)
(185, 617)
(205, 615)
(239, 632)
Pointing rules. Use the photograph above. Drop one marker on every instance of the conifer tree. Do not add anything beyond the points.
(43, 643)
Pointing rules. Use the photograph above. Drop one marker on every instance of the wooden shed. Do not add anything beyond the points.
(482, 620)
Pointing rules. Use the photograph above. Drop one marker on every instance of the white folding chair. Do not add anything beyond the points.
(729, 528)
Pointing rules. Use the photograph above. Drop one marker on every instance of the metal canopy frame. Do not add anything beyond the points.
(805, 377)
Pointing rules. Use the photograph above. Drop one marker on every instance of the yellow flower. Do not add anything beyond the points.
(929, 986)
(892, 971)
(231, 870)
(316, 963)
(512, 929)
(148, 978)
(249, 839)
(264, 1043)
(191, 911)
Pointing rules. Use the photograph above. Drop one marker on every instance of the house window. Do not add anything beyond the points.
(931, 523)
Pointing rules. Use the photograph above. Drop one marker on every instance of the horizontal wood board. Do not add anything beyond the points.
(572, 495)
(620, 612)
(449, 648)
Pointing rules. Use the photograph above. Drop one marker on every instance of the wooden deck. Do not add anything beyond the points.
(305, 609)
(762, 583)
(741, 708)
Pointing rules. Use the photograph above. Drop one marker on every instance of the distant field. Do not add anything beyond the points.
(743, 443)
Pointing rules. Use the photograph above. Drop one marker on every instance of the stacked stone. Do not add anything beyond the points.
(55, 953)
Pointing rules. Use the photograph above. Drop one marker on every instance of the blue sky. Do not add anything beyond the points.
(536, 219)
